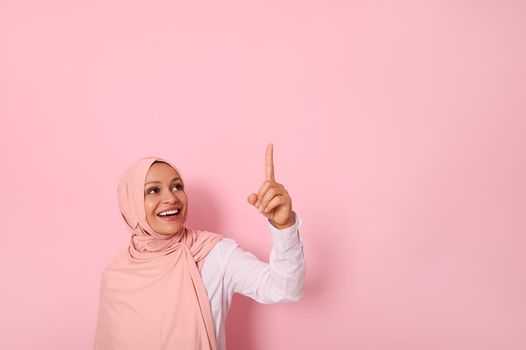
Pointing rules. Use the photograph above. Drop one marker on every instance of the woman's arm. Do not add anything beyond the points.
(280, 280)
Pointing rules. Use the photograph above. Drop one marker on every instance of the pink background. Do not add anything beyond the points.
(398, 128)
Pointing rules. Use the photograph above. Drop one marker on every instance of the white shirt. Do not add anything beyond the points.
(228, 269)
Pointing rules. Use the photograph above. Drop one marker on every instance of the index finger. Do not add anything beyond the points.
(269, 163)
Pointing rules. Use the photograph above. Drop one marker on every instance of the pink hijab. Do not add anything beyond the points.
(152, 295)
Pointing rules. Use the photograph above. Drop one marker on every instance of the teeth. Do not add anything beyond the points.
(169, 212)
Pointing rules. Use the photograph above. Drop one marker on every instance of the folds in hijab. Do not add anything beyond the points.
(152, 295)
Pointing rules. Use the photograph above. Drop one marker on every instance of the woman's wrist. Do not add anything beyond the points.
(290, 222)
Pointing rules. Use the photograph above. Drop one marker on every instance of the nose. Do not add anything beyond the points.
(169, 197)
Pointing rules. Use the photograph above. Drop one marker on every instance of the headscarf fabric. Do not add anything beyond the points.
(152, 296)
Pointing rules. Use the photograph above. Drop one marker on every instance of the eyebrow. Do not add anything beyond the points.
(151, 182)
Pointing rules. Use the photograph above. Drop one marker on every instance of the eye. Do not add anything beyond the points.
(156, 189)
(151, 189)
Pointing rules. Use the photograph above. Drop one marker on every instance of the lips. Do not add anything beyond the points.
(170, 218)
(170, 209)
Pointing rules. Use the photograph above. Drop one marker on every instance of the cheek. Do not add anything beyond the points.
(149, 206)
(182, 197)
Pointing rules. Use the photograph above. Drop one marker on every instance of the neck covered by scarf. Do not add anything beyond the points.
(152, 295)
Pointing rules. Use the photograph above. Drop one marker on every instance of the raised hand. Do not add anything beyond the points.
(273, 200)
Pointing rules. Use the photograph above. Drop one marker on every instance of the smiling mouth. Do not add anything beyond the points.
(170, 215)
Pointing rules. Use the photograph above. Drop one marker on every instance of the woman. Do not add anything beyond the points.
(171, 288)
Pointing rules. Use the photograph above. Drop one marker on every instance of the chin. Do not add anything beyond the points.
(168, 230)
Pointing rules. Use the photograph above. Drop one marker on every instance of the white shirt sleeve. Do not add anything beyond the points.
(280, 280)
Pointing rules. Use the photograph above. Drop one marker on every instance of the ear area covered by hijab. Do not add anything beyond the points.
(152, 295)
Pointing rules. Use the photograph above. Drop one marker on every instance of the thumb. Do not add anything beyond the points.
(252, 199)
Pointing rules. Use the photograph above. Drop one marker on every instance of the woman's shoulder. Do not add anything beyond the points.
(223, 250)
(225, 245)
(223, 242)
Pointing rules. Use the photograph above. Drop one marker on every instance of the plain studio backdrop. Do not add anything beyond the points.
(398, 128)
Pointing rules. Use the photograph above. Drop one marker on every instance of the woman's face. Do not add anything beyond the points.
(164, 192)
